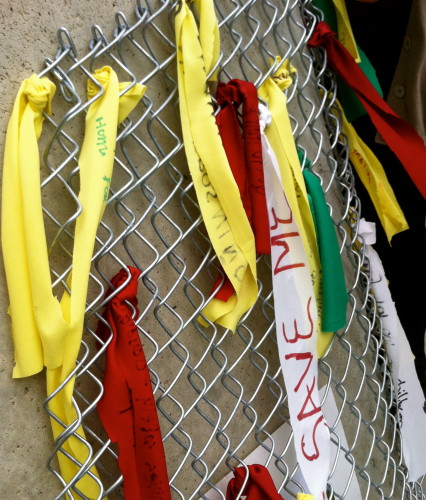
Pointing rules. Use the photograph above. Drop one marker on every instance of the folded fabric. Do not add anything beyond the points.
(297, 325)
(408, 391)
(22, 165)
(280, 137)
(259, 485)
(96, 162)
(127, 407)
(332, 16)
(244, 152)
(336, 15)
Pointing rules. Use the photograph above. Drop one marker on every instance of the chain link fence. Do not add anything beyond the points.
(219, 395)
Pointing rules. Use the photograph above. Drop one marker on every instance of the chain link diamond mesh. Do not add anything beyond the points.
(219, 395)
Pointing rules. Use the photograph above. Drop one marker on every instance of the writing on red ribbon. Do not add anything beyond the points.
(127, 408)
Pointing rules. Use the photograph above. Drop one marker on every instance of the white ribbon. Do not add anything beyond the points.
(296, 324)
(409, 394)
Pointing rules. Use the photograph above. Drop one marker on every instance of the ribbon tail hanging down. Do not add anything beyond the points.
(253, 160)
(373, 177)
(280, 136)
(96, 164)
(409, 394)
(296, 325)
(42, 312)
(346, 35)
(21, 198)
(217, 192)
(333, 285)
(243, 149)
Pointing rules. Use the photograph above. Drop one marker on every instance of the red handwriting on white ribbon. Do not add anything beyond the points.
(301, 346)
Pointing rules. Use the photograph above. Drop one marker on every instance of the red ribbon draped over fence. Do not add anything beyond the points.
(399, 135)
(127, 408)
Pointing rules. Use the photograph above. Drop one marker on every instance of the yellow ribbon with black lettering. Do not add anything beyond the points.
(216, 189)
(53, 329)
(280, 136)
(373, 176)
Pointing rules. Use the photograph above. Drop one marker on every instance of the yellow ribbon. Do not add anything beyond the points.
(56, 327)
(217, 191)
(21, 164)
(373, 176)
(209, 36)
(280, 136)
(304, 496)
(344, 28)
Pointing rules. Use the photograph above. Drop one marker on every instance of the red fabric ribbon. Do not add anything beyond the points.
(399, 135)
(259, 484)
(244, 153)
(127, 408)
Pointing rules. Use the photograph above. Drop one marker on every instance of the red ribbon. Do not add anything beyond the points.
(399, 135)
(244, 153)
(259, 484)
(127, 408)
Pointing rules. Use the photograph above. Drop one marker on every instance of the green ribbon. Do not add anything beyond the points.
(334, 295)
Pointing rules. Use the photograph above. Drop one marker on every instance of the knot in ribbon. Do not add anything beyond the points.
(102, 76)
(228, 94)
(39, 92)
(282, 77)
(321, 33)
(130, 290)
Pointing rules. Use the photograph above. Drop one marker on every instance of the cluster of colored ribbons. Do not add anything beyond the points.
(281, 208)
(361, 94)
(257, 194)
(254, 197)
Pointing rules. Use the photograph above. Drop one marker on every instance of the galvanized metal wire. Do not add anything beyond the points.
(219, 395)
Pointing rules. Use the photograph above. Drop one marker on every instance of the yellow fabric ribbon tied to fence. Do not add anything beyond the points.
(280, 136)
(56, 327)
(373, 176)
(20, 168)
(216, 189)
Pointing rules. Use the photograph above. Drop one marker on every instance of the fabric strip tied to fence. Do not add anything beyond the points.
(127, 407)
(41, 322)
